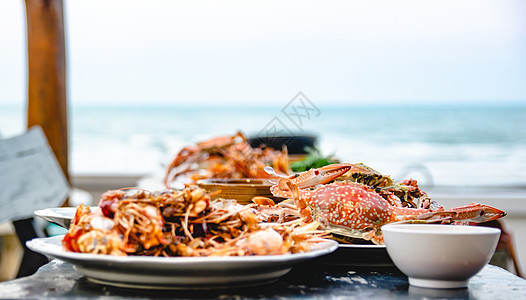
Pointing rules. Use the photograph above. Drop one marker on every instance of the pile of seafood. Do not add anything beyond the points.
(349, 202)
(181, 223)
(353, 201)
(225, 157)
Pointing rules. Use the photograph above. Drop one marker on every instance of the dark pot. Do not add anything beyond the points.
(296, 144)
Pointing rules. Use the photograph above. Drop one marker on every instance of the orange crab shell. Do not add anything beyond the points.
(350, 206)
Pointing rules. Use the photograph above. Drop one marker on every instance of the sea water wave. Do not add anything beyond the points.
(438, 145)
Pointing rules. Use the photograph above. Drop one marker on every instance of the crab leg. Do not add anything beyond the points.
(474, 212)
(477, 213)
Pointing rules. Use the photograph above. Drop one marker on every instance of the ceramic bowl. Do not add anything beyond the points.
(243, 190)
(440, 256)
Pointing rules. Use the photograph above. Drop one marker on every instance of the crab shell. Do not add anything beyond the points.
(350, 206)
(355, 211)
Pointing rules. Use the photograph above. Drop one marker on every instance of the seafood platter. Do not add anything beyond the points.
(196, 237)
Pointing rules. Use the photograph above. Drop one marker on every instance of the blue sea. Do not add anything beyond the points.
(437, 144)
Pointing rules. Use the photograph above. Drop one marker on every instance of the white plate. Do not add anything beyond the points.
(61, 216)
(178, 272)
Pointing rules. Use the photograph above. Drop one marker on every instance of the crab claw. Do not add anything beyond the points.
(321, 175)
(478, 213)
(306, 179)
(310, 178)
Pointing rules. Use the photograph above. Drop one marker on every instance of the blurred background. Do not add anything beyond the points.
(399, 85)
(432, 90)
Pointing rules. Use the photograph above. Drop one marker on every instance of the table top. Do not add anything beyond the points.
(308, 280)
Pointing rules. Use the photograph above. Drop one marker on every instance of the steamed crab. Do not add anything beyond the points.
(352, 209)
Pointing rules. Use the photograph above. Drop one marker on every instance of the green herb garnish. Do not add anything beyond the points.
(314, 159)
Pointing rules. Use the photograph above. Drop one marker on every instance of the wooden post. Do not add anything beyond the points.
(47, 105)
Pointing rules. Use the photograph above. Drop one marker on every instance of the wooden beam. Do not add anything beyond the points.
(47, 105)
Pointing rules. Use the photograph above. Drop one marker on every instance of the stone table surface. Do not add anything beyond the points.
(58, 279)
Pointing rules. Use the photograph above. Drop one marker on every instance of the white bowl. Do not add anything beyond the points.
(440, 256)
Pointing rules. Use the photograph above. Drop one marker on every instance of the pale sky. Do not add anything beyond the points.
(259, 52)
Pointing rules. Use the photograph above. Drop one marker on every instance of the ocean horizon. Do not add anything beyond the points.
(438, 144)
